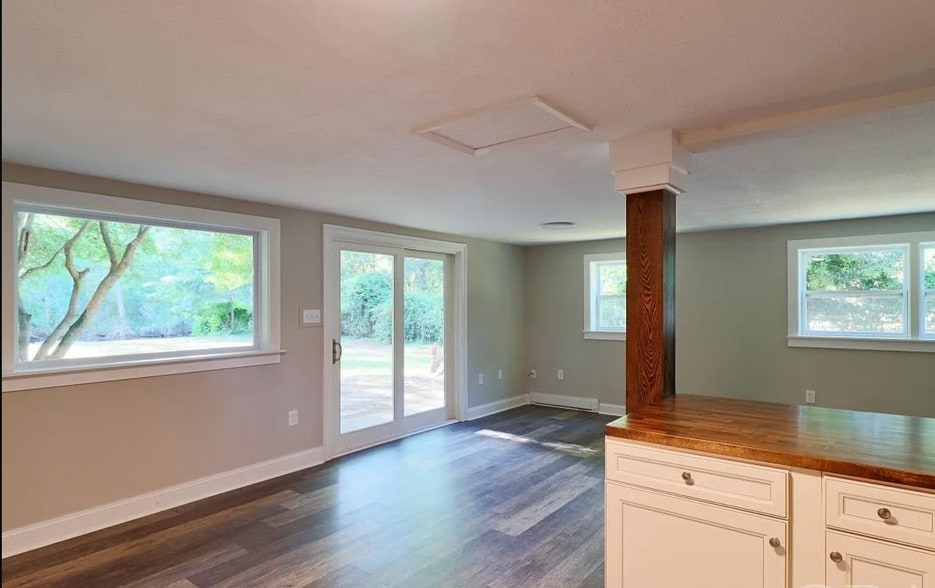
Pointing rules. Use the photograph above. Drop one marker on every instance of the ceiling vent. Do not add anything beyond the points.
(478, 131)
(559, 226)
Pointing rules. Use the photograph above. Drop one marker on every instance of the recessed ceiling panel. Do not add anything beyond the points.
(500, 124)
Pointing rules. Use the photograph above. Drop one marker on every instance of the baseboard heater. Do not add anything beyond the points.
(562, 401)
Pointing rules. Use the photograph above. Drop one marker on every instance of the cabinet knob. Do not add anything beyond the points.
(774, 542)
(687, 476)
(885, 514)
(836, 557)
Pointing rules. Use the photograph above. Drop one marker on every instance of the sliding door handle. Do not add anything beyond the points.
(336, 351)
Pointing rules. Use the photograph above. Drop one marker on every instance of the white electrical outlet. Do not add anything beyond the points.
(560, 374)
(810, 397)
(480, 379)
(293, 417)
(499, 374)
(532, 374)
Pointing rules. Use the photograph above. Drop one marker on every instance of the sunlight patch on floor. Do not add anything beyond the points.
(569, 448)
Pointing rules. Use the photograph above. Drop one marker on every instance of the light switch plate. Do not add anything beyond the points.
(309, 317)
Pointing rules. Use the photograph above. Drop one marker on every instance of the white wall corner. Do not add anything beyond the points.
(476, 412)
(649, 162)
(71, 525)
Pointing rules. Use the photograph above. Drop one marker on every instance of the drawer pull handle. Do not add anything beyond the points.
(774, 542)
(836, 557)
(885, 514)
(687, 476)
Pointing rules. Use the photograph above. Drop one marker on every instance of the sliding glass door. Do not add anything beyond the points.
(390, 351)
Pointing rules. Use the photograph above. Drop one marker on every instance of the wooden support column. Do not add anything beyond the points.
(650, 171)
(650, 297)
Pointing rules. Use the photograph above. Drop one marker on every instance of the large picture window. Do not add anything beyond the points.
(605, 295)
(861, 292)
(101, 282)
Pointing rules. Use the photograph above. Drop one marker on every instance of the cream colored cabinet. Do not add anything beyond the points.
(655, 540)
(681, 518)
(899, 524)
(868, 563)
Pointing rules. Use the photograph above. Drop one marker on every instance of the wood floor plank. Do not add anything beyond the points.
(100, 563)
(583, 561)
(514, 499)
(346, 577)
(180, 572)
(266, 543)
(52, 555)
(308, 562)
(524, 496)
(563, 491)
(549, 541)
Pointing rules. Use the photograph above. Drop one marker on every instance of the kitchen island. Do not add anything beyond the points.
(706, 491)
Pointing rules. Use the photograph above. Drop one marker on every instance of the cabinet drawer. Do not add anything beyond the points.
(731, 483)
(889, 513)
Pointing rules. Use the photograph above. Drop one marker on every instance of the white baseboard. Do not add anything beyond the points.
(612, 409)
(564, 401)
(476, 412)
(71, 525)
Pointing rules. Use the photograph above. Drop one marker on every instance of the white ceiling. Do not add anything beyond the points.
(310, 103)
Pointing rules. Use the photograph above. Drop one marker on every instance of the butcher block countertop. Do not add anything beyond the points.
(875, 446)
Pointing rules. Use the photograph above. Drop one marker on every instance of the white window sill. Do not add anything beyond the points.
(863, 343)
(606, 335)
(15, 382)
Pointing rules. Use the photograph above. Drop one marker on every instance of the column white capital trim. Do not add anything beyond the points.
(647, 162)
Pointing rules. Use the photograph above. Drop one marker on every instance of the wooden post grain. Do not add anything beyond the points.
(650, 297)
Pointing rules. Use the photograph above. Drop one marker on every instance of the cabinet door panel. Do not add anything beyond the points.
(658, 540)
(873, 564)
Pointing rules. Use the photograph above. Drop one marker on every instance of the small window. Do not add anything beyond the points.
(100, 282)
(859, 292)
(605, 295)
(928, 290)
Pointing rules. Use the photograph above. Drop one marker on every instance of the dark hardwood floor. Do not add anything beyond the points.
(511, 500)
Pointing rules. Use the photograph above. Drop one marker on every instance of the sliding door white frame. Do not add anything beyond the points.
(335, 235)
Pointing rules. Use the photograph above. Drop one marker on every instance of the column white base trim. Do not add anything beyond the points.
(476, 412)
(612, 409)
(44, 533)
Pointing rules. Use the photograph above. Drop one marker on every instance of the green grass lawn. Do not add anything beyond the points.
(150, 345)
(367, 382)
(368, 355)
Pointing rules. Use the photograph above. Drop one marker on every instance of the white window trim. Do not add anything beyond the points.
(910, 342)
(266, 351)
(589, 332)
(922, 291)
